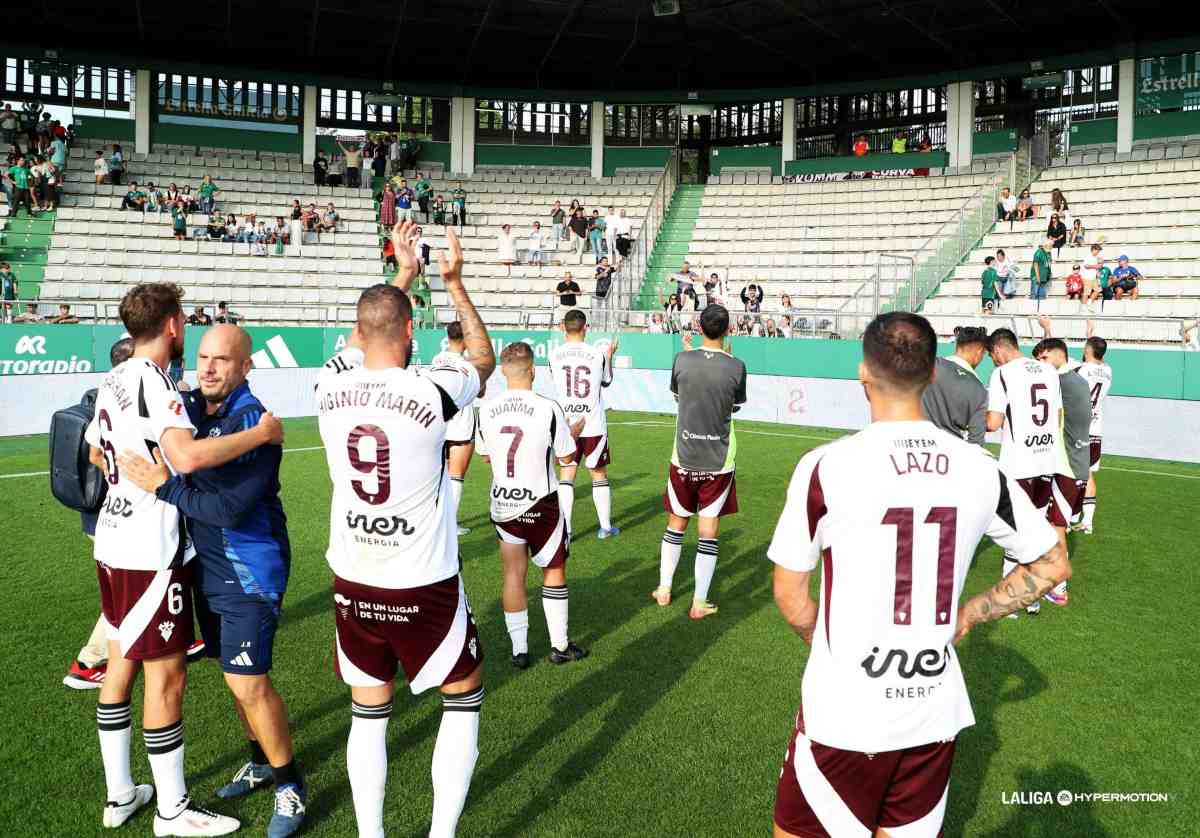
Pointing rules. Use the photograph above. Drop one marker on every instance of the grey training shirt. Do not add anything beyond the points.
(708, 384)
(956, 401)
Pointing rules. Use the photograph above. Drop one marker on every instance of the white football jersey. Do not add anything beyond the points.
(580, 372)
(894, 514)
(462, 426)
(523, 434)
(1099, 380)
(135, 404)
(1027, 393)
(392, 520)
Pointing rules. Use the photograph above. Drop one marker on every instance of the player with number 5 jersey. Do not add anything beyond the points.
(893, 516)
(399, 601)
(580, 372)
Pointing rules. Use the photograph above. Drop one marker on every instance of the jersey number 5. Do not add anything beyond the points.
(946, 518)
(381, 466)
(1039, 404)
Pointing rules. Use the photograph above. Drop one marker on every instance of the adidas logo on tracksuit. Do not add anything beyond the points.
(242, 659)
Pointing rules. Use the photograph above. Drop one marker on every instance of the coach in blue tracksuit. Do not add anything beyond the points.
(243, 557)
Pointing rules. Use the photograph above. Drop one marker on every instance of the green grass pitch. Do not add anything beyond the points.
(670, 728)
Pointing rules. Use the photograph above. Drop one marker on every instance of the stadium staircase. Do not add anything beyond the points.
(672, 245)
(25, 245)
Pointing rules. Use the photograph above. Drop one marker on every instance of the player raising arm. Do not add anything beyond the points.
(460, 436)
(893, 514)
(142, 557)
(521, 433)
(398, 596)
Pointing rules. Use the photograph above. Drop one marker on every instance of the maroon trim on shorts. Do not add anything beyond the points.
(917, 784)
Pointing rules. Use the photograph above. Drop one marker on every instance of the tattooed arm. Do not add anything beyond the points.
(1024, 586)
(479, 345)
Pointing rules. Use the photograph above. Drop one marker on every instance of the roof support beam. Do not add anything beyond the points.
(312, 30)
(466, 66)
(567, 20)
(924, 30)
(391, 56)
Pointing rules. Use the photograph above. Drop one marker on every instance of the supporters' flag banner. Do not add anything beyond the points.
(1168, 82)
(828, 176)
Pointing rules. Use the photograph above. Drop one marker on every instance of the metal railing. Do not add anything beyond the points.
(632, 274)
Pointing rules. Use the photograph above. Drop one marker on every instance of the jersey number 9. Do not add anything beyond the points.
(380, 466)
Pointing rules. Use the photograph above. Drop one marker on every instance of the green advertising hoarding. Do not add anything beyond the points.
(1168, 83)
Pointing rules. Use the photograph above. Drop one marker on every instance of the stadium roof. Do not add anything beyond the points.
(473, 46)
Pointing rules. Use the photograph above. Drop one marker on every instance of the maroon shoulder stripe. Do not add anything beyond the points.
(816, 501)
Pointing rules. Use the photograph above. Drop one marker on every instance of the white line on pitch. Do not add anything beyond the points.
(44, 473)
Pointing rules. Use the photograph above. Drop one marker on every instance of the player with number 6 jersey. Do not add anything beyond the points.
(580, 372)
(522, 433)
(893, 516)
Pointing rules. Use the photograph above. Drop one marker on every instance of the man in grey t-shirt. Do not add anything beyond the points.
(1074, 449)
(956, 401)
(710, 385)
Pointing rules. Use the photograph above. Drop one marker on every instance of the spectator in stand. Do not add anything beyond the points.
(1025, 207)
(100, 167)
(656, 326)
(116, 165)
(899, 144)
(232, 229)
(297, 210)
(685, 285)
(1058, 203)
(283, 233)
(439, 210)
(770, 330)
(1074, 284)
(387, 207)
(224, 315)
(189, 200)
(336, 171)
(58, 153)
(154, 199)
(604, 279)
(216, 229)
(394, 151)
(558, 217)
(330, 219)
(989, 296)
(752, 297)
(179, 220)
(579, 229)
(135, 198)
(310, 219)
(9, 288)
(1125, 279)
(506, 247)
(208, 195)
(567, 289)
(623, 236)
(1057, 232)
(1007, 271)
(715, 290)
(925, 144)
(388, 254)
(786, 306)
(534, 244)
(1077, 233)
(861, 147)
(320, 168)
(1006, 207)
(610, 233)
(1040, 271)
(1091, 275)
(404, 202)
(672, 312)
(595, 233)
(354, 157)
(64, 315)
(379, 161)
(458, 197)
(423, 189)
(785, 327)
(1107, 281)
(19, 175)
(199, 318)
(8, 125)
(422, 248)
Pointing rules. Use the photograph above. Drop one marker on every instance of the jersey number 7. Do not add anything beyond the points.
(946, 518)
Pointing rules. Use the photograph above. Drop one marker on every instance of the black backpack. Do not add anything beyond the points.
(74, 481)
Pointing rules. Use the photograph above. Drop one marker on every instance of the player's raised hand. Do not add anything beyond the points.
(1044, 322)
(451, 263)
(613, 344)
(146, 475)
(687, 340)
(1091, 328)
(408, 265)
(272, 428)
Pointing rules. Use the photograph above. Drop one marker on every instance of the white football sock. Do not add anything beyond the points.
(456, 490)
(706, 565)
(566, 500)
(518, 630)
(164, 747)
(454, 758)
(114, 724)
(554, 603)
(1089, 511)
(366, 763)
(1009, 566)
(602, 497)
(672, 546)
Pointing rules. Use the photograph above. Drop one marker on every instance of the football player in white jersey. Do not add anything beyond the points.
(1025, 400)
(1098, 376)
(398, 596)
(522, 433)
(142, 554)
(460, 436)
(893, 514)
(580, 372)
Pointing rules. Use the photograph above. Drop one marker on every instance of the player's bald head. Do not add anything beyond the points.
(384, 312)
(227, 340)
(899, 351)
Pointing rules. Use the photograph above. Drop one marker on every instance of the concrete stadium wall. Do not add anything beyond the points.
(746, 157)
